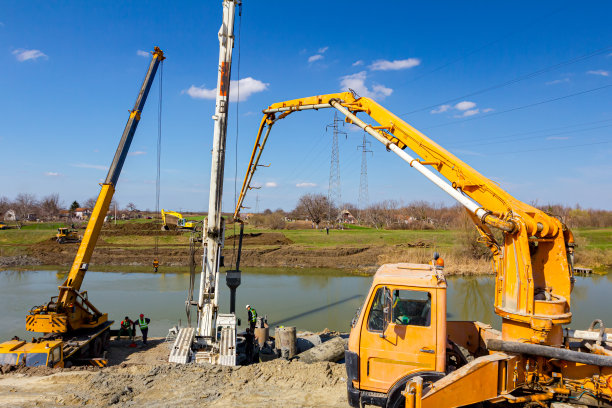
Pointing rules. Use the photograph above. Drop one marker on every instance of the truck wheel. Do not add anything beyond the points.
(397, 400)
(105, 339)
(95, 348)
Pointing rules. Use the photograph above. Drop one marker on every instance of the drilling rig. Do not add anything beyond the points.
(213, 340)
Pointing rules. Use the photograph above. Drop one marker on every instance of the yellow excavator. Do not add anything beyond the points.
(402, 351)
(75, 331)
(181, 223)
(66, 235)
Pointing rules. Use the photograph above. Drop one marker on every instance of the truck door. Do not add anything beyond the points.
(402, 343)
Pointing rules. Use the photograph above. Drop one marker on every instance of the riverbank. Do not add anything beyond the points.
(143, 377)
(358, 251)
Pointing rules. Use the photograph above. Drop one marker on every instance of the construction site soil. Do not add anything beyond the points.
(266, 249)
(142, 377)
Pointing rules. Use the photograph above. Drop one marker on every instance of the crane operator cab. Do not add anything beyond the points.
(401, 331)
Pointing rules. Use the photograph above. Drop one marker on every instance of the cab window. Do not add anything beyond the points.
(8, 358)
(55, 356)
(376, 316)
(35, 359)
(411, 307)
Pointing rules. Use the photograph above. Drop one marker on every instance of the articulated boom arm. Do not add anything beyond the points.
(69, 295)
(533, 272)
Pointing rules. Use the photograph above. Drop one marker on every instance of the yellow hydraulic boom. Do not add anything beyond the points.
(71, 310)
(533, 264)
(534, 280)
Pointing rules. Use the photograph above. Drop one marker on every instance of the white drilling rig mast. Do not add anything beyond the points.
(208, 347)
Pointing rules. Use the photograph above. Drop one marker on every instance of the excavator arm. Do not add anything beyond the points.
(532, 264)
(71, 310)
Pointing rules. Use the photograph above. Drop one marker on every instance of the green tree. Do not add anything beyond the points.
(75, 204)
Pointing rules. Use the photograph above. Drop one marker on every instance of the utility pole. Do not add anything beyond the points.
(363, 181)
(257, 204)
(334, 196)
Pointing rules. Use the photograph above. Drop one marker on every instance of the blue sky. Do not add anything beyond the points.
(70, 70)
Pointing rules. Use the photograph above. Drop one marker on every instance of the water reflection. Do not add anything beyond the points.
(311, 299)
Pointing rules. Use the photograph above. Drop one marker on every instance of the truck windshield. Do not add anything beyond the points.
(411, 307)
(8, 358)
(35, 359)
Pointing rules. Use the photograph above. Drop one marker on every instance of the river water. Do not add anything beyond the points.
(310, 299)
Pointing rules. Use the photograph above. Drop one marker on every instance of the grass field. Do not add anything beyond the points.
(594, 245)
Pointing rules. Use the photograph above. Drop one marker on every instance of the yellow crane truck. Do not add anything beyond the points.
(403, 352)
(74, 330)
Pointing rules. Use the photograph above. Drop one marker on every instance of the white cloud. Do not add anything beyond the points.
(358, 63)
(271, 184)
(52, 174)
(90, 166)
(319, 56)
(440, 109)
(357, 83)
(465, 105)
(465, 108)
(142, 53)
(557, 138)
(137, 153)
(248, 86)
(599, 72)
(306, 184)
(558, 81)
(384, 65)
(470, 112)
(23, 55)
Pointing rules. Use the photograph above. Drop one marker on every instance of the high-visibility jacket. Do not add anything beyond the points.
(253, 315)
(142, 323)
(125, 324)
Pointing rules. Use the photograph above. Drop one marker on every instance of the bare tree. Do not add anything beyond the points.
(5, 205)
(26, 203)
(91, 202)
(131, 207)
(50, 205)
(313, 206)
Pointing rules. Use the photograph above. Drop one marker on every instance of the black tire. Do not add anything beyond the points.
(105, 339)
(397, 400)
(96, 347)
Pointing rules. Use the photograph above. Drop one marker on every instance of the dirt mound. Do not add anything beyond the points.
(264, 238)
(137, 228)
(146, 379)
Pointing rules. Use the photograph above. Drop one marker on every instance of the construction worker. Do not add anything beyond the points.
(127, 328)
(143, 323)
(252, 317)
(249, 342)
(155, 265)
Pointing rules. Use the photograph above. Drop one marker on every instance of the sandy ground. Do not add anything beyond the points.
(142, 377)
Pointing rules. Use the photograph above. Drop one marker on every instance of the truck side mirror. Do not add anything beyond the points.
(387, 310)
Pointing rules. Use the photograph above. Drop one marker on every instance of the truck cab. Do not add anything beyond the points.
(400, 331)
(22, 353)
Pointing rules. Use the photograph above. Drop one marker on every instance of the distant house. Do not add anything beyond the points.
(10, 215)
(64, 213)
(82, 213)
(346, 217)
(32, 217)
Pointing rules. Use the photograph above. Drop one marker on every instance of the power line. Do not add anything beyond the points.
(554, 148)
(515, 80)
(507, 139)
(520, 107)
(510, 34)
